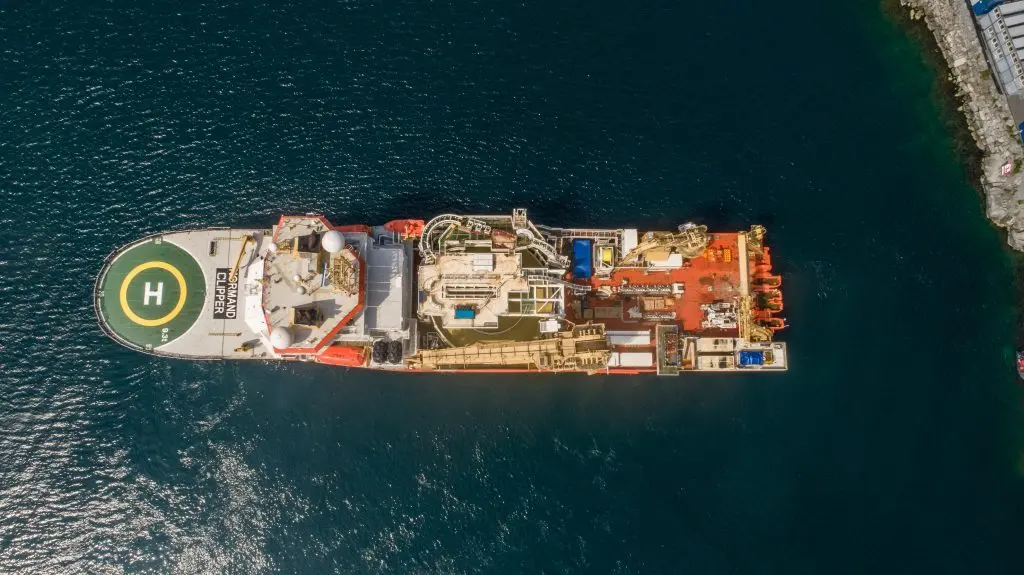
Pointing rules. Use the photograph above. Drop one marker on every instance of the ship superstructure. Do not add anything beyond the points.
(455, 293)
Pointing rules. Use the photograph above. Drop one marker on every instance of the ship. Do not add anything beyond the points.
(454, 294)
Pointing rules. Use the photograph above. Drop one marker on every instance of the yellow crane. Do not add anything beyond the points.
(749, 329)
(233, 275)
(690, 242)
(755, 238)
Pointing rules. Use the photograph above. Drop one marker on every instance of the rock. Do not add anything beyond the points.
(1016, 240)
(985, 109)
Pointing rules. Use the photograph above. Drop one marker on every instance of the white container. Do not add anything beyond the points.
(642, 337)
(636, 359)
(483, 262)
(628, 241)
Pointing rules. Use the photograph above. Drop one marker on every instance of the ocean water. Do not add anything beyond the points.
(894, 445)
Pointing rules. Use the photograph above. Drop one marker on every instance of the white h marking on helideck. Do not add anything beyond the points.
(158, 293)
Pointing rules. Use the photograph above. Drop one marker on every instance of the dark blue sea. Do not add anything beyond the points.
(894, 445)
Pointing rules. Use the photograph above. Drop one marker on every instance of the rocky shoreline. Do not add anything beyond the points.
(987, 114)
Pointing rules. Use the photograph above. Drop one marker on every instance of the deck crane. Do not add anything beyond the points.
(690, 242)
(233, 274)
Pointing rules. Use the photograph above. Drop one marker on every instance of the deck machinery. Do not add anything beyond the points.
(455, 293)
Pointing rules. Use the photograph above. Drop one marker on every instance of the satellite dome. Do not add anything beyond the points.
(301, 290)
(332, 242)
(296, 278)
(272, 248)
(280, 337)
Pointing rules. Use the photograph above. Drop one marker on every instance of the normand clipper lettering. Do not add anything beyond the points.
(225, 296)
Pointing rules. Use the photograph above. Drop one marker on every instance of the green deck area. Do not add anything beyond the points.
(531, 261)
(523, 328)
(151, 293)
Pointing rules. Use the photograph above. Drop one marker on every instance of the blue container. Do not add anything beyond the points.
(982, 7)
(582, 255)
(750, 357)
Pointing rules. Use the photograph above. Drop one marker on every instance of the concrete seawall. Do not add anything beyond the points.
(985, 108)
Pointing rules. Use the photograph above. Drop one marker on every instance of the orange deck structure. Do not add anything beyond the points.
(707, 279)
(713, 277)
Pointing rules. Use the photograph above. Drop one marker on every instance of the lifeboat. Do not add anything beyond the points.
(405, 228)
(344, 355)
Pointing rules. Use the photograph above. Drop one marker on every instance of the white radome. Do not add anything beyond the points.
(272, 248)
(296, 278)
(332, 242)
(280, 337)
(301, 290)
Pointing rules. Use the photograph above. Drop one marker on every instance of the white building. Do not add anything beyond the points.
(1002, 31)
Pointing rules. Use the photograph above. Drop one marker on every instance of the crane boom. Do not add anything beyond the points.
(690, 242)
(233, 275)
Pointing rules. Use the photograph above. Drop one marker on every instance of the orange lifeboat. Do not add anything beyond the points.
(405, 228)
(345, 355)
